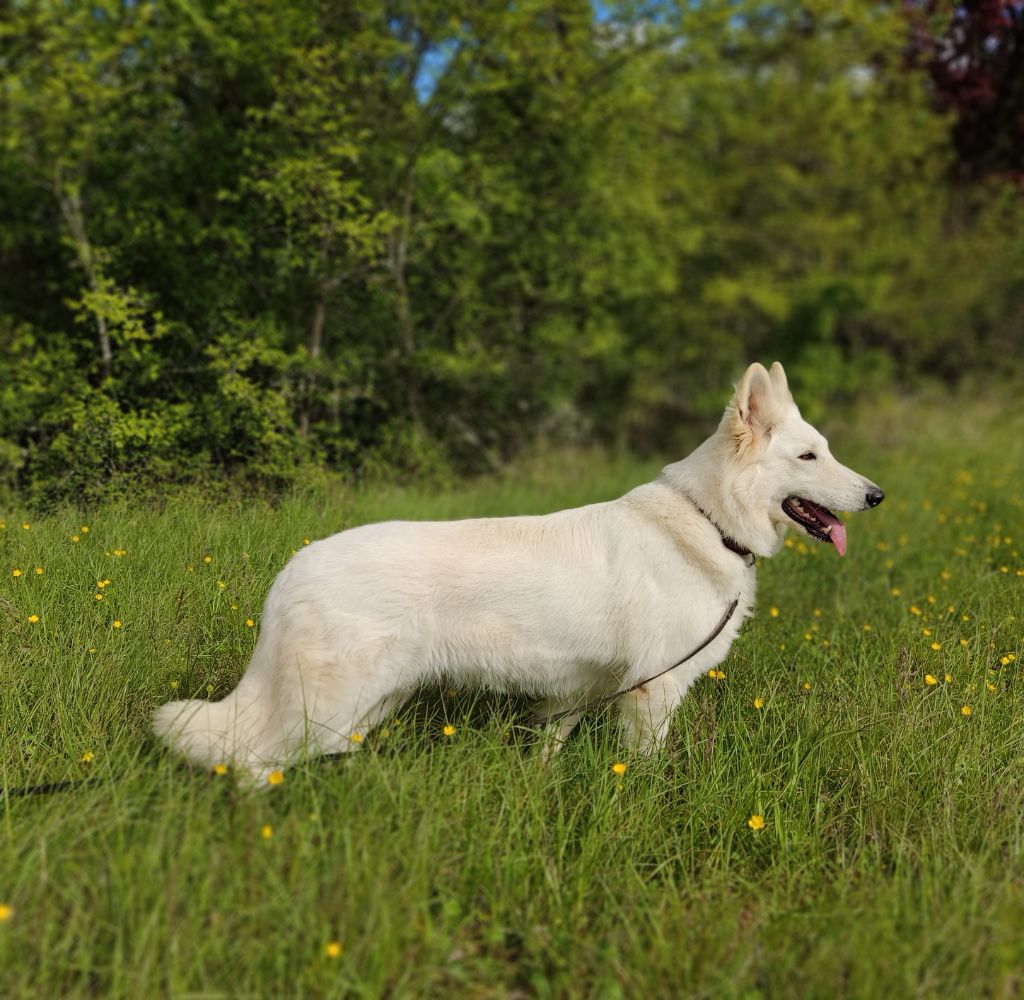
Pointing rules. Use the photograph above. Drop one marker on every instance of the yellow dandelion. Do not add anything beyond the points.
(249, 623)
(75, 538)
(27, 526)
(926, 631)
(275, 777)
(936, 646)
(99, 597)
(40, 571)
(174, 685)
(963, 642)
(1004, 661)
(207, 559)
(266, 831)
(774, 612)
(449, 730)
(991, 687)
(756, 822)
(895, 591)
(949, 678)
(33, 618)
(117, 623)
(220, 769)
(966, 710)
(6, 912)
(866, 627)
(356, 737)
(807, 686)
(619, 768)
(15, 572)
(332, 949)
(759, 703)
(85, 529)
(221, 584)
(87, 757)
(305, 541)
(914, 609)
(929, 679)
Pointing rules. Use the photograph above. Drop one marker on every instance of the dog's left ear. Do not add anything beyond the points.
(755, 403)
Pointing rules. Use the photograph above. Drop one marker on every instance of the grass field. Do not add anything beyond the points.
(891, 862)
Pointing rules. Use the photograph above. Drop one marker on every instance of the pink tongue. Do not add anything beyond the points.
(838, 534)
(839, 537)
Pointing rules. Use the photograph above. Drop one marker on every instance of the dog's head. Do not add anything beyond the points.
(789, 473)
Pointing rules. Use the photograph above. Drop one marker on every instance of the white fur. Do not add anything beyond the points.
(570, 605)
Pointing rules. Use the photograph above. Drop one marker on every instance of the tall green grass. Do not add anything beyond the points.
(889, 864)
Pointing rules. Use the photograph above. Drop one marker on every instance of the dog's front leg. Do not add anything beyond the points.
(555, 733)
(646, 712)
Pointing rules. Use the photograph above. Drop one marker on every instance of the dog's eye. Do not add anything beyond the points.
(808, 456)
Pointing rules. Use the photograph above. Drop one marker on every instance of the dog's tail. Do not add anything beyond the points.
(207, 733)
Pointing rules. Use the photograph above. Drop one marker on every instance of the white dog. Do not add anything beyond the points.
(575, 605)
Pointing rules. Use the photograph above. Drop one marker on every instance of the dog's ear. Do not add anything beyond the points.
(755, 404)
(780, 384)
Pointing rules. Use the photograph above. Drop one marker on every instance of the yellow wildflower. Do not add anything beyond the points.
(40, 571)
(759, 703)
(949, 678)
(332, 949)
(6, 912)
(966, 710)
(15, 572)
(33, 618)
(117, 623)
(87, 757)
(220, 769)
(619, 768)
(275, 777)
(266, 831)
(936, 646)
(774, 612)
(756, 822)
(249, 623)
(929, 679)
(449, 730)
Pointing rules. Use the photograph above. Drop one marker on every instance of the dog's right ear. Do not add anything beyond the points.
(780, 384)
(754, 405)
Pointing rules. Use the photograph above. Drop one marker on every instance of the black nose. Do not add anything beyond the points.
(874, 497)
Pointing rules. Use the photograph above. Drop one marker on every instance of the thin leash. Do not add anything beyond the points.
(733, 546)
(47, 789)
(604, 699)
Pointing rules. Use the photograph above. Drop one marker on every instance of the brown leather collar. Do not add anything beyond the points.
(730, 543)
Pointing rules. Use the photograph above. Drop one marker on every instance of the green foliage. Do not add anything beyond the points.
(241, 238)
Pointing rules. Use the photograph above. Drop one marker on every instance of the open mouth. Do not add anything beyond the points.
(818, 522)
